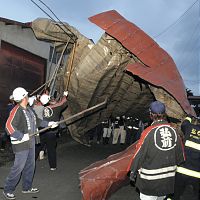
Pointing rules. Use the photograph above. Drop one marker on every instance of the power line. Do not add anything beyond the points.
(177, 21)
(74, 38)
(192, 81)
(55, 15)
(191, 43)
(194, 37)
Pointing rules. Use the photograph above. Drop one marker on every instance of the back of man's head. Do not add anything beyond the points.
(157, 107)
(157, 110)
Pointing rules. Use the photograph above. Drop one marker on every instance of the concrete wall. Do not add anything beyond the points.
(25, 39)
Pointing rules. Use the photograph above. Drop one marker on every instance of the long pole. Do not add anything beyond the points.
(71, 64)
(54, 73)
(58, 65)
(76, 117)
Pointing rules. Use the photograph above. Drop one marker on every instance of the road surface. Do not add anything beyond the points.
(64, 182)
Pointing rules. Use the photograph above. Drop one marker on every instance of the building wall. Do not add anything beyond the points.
(25, 39)
(24, 61)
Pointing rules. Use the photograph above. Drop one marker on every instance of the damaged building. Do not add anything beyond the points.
(126, 67)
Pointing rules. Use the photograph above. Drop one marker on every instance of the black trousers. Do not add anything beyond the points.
(186, 187)
(4, 139)
(130, 136)
(50, 140)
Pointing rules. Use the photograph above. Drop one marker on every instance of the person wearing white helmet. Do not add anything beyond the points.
(19, 94)
(22, 122)
(52, 112)
(44, 99)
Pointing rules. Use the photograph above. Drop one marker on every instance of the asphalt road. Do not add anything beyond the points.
(64, 182)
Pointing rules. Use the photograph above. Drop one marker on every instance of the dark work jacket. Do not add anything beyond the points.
(192, 148)
(22, 121)
(116, 123)
(158, 152)
(53, 112)
(121, 122)
(106, 124)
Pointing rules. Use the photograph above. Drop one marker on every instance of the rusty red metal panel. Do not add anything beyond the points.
(103, 178)
(159, 68)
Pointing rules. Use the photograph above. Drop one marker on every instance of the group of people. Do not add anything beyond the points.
(29, 115)
(166, 163)
(116, 129)
(125, 130)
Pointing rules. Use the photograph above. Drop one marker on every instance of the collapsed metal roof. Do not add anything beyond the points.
(155, 65)
(125, 66)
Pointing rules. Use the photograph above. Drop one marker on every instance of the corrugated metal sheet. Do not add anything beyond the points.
(156, 67)
(101, 179)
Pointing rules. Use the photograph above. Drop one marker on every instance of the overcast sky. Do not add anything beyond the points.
(152, 16)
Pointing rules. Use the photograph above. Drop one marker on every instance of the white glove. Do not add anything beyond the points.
(53, 124)
(65, 93)
(25, 137)
(31, 100)
(130, 127)
(136, 128)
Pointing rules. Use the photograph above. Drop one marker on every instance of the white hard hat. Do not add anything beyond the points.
(19, 93)
(44, 99)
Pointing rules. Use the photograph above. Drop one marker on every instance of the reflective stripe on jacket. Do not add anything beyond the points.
(191, 166)
(188, 172)
(159, 152)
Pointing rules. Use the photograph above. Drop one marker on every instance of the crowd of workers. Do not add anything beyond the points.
(166, 163)
(123, 130)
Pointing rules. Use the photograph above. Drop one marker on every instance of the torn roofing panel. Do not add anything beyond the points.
(159, 68)
(101, 179)
(163, 79)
